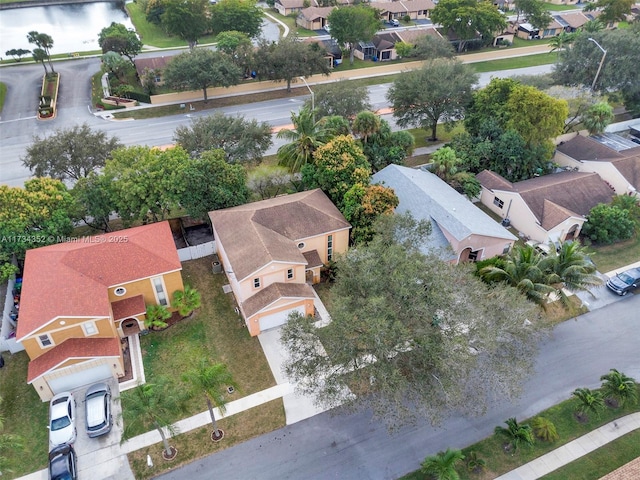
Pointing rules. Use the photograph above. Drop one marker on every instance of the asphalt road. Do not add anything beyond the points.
(355, 447)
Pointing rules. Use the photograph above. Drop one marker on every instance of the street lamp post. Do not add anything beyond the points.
(604, 54)
(313, 99)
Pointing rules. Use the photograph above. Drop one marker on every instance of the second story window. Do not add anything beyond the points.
(45, 340)
(330, 247)
(290, 274)
(256, 283)
(161, 295)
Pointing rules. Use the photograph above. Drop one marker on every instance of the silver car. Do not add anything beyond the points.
(97, 404)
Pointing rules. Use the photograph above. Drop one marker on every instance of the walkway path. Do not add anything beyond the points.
(575, 449)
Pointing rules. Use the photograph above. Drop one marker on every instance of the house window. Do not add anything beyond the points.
(290, 274)
(45, 340)
(89, 328)
(120, 291)
(256, 283)
(161, 294)
(497, 202)
(330, 247)
(473, 256)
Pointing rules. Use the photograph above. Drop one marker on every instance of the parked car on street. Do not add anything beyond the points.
(395, 22)
(62, 463)
(97, 405)
(62, 420)
(624, 282)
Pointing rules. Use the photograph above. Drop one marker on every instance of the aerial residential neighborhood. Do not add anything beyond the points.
(369, 240)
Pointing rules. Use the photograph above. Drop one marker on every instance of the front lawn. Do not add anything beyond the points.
(215, 332)
(610, 257)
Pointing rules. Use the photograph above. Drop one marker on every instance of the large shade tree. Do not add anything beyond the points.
(611, 10)
(353, 24)
(406, 344)
(450, 87)
(186, 19)
(44, 42)
(201, 69)
(340, 98)
(120, 39)
(239, 15)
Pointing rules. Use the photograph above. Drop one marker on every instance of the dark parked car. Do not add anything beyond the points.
(624, 282)
(97, 404)
(62, 463)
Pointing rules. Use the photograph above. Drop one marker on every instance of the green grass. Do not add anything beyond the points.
(215, 332)
(562, 415)
(3, 94)
(24, 415)
(445, 133)
(558, 8)
(610, 257)
(291, 23)
(515, 62)
(597, 464)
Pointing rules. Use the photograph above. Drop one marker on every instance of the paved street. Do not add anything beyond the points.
(356, 447)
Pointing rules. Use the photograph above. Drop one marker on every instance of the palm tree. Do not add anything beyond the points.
(589, 401)
(39, 55)
(516, 434)
(522, 269)
(560, 41)
(618, 386)
(443, 465)
(597, 117)
(43, 41)
(153, 404)
(593, 26)
(156, 316)
(305, 138)
(187, 300)
(475, 463)
(366, 124)
(212, 380)
(544, 429)
(570, 267)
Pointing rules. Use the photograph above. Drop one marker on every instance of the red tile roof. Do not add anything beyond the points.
(72, 278)
(129, 307)
(74, 348)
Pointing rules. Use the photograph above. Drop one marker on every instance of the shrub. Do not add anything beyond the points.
(406, 19)
(607, 224)
(544, 429)
(187, 300)
(156, 316)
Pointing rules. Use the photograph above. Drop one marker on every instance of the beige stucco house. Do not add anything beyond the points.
(273, 250)
(460, 230)
(550, 208)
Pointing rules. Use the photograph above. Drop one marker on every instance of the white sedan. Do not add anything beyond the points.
(62, 420)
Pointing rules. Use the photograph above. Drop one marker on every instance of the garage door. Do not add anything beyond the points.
(78, 379)
(277, 319)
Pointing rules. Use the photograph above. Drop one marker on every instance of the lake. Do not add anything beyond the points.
(74, 28)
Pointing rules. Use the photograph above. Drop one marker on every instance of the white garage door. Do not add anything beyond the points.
(78, 379)
(277, 319)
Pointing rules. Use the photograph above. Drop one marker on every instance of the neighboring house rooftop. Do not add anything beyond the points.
(256, 234)
(153, 63)
(72, 278)
(587, 148)
(410, 36)
(571, 19)
(426, 196)
(312, 13)
(553, 198)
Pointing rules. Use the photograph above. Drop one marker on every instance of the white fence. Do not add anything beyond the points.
(197, 251)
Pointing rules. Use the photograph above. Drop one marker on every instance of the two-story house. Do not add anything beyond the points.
(273, 250)
(80, 297)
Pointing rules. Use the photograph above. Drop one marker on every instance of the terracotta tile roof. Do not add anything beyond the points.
(586, 148)
(255, 234)
(312, 258)
(74, 348)
(128, 307)
(72, 278)
(273, 293)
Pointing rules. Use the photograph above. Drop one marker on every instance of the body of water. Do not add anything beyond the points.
(74, 28)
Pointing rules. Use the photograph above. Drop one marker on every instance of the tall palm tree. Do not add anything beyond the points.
(522, 269)
(153, 404)
(443, 465)
(212, 380)
(366, 124)
(516, 434)
(43, 41)
(305, 138)
(558, 42)
(589, 401)
(618, 386)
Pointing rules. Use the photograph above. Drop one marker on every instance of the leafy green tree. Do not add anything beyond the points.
(589, 401)
(305, 138)
(608, 224)
(521, 268)
(362, 206)
(597, 117)
(239, 15)
(403, 343)
(116, 64)
(535, 11)
(238, 47)
(544, 429)
(268, 181)
(154, 10)
(187, 300)
(450, 87)
(620, 387)
(385, 147)
(186, 19)
(404, 49)
(442, 466)
(611, 10)
(340, 98)
(631, 203)
(209, 183)
(69, 153)
(153, 404)
(469, 19)
(211, 380)
(579, 101)
(39, 55)
(561, 41)
(201, 69)
(430, 48)
(44, 42)
(288, 60)
(242, 140)
(447, 166)
(120, 39)
(17, 53)
(517, 434)
(353, 24)
(94, 199)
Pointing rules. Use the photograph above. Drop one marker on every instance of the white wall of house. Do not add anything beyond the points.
(607, 171)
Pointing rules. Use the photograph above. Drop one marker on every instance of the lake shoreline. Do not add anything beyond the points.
(46, 3)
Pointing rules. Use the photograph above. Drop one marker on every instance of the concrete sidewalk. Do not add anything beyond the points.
(575, 449)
